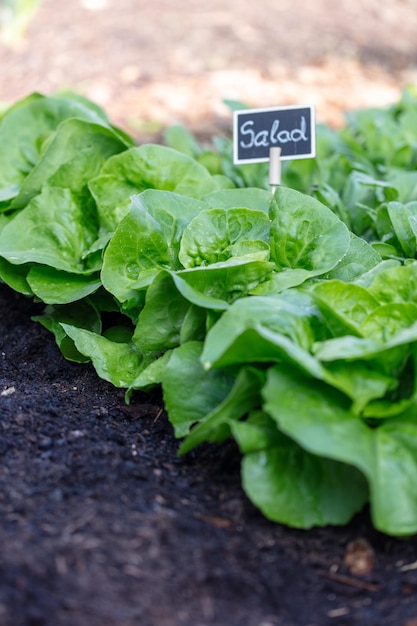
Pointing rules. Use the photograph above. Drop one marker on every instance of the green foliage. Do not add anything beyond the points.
(15, 15)
(286, 321)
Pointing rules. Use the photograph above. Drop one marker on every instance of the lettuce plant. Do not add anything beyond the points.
(285, 321)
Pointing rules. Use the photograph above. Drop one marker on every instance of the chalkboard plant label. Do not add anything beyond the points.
(291, 128)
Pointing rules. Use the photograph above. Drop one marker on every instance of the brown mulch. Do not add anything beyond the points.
(152, 64)
(101, 523)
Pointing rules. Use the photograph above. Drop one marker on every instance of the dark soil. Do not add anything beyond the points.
(103, 525)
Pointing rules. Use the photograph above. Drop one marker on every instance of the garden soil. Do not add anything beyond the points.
(102, 524)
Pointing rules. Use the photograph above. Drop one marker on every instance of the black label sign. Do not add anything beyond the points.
(255, 131)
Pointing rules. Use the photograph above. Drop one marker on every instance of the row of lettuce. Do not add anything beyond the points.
(286, 321)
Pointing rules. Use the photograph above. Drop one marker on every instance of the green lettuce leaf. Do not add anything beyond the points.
(344, 306)
(119, 363)
(307, 240)
(361, 257)
(25, 131)
(219, 284)
(167, 318)
(150, 374)
(149, 166)
(81, 314)
(55, 229)
(248, 198)
(217, 235)
(146, 241)
(54, 286)
(15, 276)
(289, 484)
(73, 156)
(215, 426)
(262, 329)
(320, 421)
(396, 284)
(190, 392)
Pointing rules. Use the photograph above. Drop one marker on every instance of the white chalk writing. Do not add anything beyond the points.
(273, 135)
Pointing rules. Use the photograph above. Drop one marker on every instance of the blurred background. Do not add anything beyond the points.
(153, 63)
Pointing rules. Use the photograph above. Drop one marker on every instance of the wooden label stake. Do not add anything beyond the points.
(274, 168)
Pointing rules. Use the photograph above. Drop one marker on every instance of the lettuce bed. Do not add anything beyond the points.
(288, 322)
